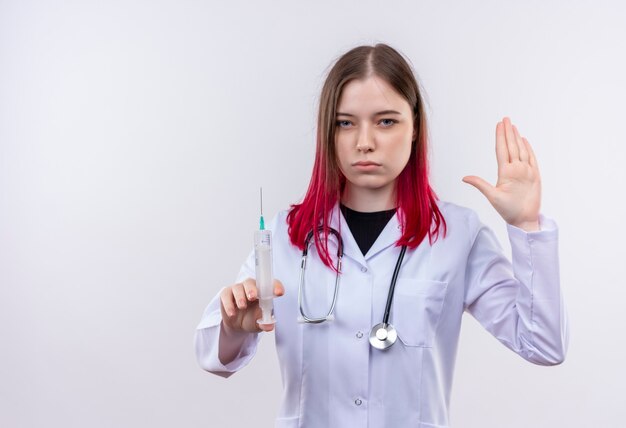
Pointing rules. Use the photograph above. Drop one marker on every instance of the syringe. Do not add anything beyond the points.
(263, 267)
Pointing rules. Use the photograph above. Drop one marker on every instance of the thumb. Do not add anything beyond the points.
(484, 187)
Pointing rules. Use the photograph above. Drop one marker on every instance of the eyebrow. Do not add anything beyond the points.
(375, 114)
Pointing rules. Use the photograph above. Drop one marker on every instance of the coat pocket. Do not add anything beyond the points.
(417, 307)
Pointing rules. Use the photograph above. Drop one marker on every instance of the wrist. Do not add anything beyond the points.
(528, 226)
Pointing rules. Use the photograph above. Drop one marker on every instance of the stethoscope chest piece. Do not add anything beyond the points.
(383, 336)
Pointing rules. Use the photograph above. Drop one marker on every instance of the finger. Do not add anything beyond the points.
(249, 287)
(228, 302)
(531, 153)
(250, 320)
(502, 153)
(484, 187)
(266, 327)
(511, 144)
(279, 290)
(523, 153)
(240, 296)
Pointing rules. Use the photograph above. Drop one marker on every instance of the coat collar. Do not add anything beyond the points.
(389, 235)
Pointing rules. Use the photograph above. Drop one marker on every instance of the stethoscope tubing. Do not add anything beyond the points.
(382, 335)
(305, 252)
(392, 286)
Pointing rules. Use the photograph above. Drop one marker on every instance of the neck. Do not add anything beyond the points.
(369, 200)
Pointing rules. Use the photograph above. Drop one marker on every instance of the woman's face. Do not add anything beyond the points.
(373, 135)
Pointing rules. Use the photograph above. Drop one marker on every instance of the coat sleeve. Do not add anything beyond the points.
(520, 303)
(207, 334)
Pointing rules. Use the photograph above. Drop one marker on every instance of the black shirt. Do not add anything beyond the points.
(366, 227)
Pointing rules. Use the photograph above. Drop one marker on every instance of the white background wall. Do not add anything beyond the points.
(133, 138)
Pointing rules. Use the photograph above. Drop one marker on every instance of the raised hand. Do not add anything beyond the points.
(517, 194)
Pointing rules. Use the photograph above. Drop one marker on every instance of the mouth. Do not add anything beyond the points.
(366, 166)
(365, 163)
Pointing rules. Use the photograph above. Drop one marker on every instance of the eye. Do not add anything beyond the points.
(389, 122)
(341, 122)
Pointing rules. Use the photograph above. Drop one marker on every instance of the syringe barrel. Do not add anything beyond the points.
(263, 263)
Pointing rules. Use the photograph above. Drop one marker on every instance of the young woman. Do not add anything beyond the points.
(372, 342)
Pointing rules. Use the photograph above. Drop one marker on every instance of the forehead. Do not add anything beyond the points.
(369, 95)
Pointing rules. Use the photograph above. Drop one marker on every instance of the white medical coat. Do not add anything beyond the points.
(331, 375)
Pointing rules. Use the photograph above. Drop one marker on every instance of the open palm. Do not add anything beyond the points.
(517, 193)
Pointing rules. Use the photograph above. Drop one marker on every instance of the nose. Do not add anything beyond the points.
(365, 142)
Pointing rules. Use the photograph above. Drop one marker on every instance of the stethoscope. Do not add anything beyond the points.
(382, 335)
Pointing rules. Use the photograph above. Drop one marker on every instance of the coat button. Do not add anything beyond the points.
(363, 269)
(359, 334)
(358, 402)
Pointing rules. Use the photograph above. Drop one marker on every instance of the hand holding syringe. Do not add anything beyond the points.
(245, 303)
(240, 312)
(241, 309)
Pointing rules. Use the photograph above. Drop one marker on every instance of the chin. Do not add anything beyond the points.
(370, 183)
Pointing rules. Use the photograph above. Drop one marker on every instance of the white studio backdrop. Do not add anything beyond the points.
(134, 136)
